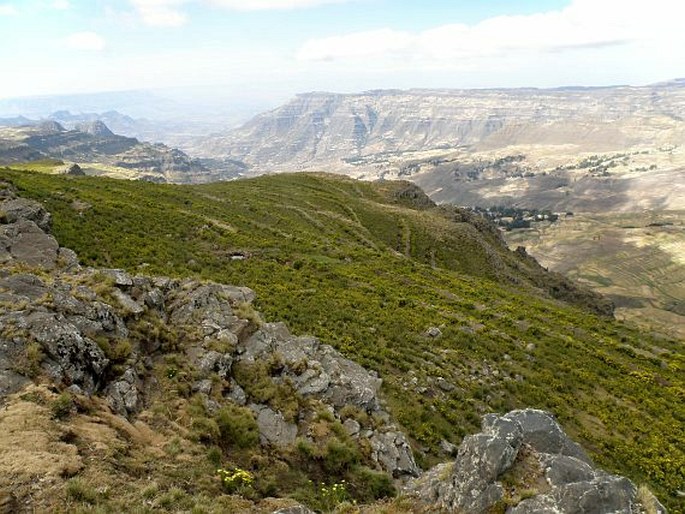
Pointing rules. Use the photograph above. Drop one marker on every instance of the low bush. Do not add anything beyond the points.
(237, 427)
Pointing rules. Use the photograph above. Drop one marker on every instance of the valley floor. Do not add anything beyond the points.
(636, 259)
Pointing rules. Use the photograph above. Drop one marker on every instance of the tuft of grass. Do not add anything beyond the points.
(647, 500)
(28, 363)
(78, 490)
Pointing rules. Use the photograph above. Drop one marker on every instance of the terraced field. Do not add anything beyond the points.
(638, 260)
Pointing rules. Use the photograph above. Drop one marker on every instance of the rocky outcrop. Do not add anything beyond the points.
(95, 128)
(524, 463)
(71, 169)
(102, 331)
(273, 428)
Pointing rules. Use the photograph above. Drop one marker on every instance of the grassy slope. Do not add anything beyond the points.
(337, 259)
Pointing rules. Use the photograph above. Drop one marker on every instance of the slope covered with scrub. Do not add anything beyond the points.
(373, 269)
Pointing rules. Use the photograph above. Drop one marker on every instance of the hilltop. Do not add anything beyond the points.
(430, 298)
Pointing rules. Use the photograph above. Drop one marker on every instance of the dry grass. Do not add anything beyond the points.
(647, 500)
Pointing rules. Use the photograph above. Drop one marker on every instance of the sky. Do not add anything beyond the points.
(276, 48)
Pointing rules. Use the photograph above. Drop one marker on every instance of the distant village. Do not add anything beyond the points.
(510, 218)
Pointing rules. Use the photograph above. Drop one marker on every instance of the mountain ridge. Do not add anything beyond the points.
(93, 146)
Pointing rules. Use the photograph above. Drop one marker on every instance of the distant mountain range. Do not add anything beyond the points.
(99, 151)
(174, 116)
(565, 148)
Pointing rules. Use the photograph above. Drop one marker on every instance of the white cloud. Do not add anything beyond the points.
(161, 13)
(61, 5)
(7, 10)
(359, 44)
(583, 25)
(264, 5)
(89, 41)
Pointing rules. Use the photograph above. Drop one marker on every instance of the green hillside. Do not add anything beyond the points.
(369, 268)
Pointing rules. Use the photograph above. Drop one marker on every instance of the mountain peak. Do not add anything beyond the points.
(95, 128)
(50, 127)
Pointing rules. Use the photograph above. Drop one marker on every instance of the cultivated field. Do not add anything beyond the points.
(637, 259)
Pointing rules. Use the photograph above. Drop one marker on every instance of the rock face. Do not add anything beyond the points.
(349, 129)
(72, 169)
(525, 461)
(77, 328)
(498, 147)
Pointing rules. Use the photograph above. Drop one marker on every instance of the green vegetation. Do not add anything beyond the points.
(369, 271)
(62, 406)
(41, 165)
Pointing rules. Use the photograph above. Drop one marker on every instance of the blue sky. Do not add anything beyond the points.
(275, 48)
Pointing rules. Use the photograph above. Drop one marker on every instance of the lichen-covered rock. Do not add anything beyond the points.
(315, 368)
(25, 242)
(23, 285)
(123, 395)
(273, 428)
(21, 209)
(10, 380)
(471, 484)
(71, 357)
(542, 432)
(236, 394)
(213, 361)
(207, 305)
(603, 495)
(392, 452)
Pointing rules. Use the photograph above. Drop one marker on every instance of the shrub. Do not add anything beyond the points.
(205, 430)
(368, 485)
(62, 406)
(237, 427)
(339, 456)
(214, 455)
